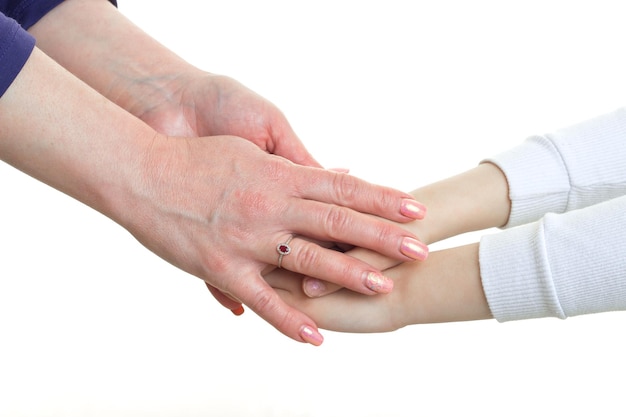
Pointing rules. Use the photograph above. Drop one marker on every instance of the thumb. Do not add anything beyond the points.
(289, 146)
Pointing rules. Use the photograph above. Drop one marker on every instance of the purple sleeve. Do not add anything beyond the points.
(15, 47)
(28, 12)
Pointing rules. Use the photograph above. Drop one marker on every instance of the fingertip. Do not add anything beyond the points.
(238, 311)
(313, 287)
(378, 283)
(412, 209)
(414, 249)
(224, 299)
(311, 335)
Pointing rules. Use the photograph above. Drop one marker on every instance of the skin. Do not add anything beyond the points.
(150, 184)
(446, 287)
(97, 43)
(182, 159)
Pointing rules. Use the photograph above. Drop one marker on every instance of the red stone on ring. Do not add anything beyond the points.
(284, 249)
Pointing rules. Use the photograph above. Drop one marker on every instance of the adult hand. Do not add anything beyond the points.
(217, 207)
(103, 48)
(198, 103)
(97, 43)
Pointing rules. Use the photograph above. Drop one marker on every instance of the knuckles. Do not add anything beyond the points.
(306, 257)
(346, 189)
(337, 221)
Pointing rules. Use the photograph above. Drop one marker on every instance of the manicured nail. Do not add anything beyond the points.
(414, 249)
(314, 287)
(310, 335)
(378, 283)
(238, 311)
(413, 209)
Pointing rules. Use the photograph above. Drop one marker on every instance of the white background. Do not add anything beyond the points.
(401, 92)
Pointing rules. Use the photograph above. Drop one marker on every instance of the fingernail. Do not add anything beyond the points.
(310, 335)
(313, 287)
(414, 249)
(238, 311)
(413, 209)
(341, 170)
(378, 283)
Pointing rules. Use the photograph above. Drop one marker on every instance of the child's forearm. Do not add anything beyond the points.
(446, 288)
(474, 200)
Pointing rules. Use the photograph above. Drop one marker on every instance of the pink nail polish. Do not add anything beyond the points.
(414, 249)
(310, 335)
(413, 209)
(314, 287)
(378, 283)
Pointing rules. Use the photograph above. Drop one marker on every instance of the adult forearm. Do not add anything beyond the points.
(70, 137)
(97, 43)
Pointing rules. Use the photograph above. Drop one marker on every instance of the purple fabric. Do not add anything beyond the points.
(16, 45)
(28, 12)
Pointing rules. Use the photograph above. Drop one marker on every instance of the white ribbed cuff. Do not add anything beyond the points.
(538, 180)
(516, 276)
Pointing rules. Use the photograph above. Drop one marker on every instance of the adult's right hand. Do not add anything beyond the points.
(217, 207)
(214, 206)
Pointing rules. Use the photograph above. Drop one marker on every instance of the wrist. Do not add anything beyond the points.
(449, 288)
(99, 45)
(474, 200)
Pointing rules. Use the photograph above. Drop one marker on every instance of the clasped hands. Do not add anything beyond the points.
(222, 203)
(215, 177)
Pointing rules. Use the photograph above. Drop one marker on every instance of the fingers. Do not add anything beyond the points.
(344, 310)
(310, 259)
(344, 190)
(287, 144)
(333, 223)
(261, 298)
(315, 288)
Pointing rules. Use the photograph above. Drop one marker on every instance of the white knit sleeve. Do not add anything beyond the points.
(567, 255)
(569, 169)
(563, 265)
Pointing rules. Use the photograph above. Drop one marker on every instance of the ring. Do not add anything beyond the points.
(283, 249)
